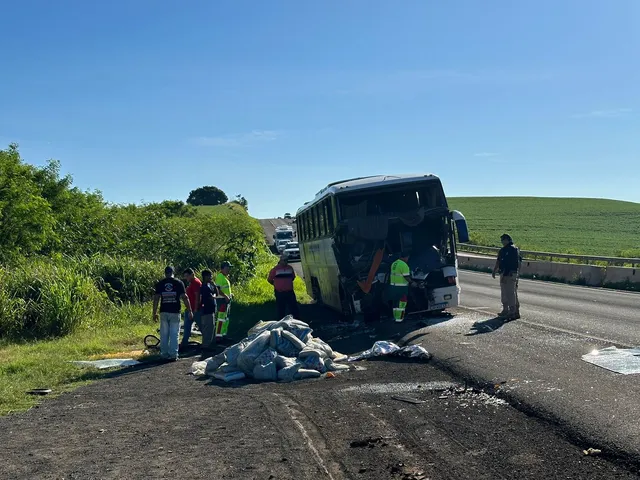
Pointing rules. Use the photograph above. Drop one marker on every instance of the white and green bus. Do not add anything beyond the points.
(353, 230)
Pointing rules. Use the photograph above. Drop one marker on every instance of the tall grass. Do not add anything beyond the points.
(123, 279)
(40, 298)
(50, 297)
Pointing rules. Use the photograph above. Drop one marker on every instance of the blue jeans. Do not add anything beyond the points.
(169, 334)
(188, 323)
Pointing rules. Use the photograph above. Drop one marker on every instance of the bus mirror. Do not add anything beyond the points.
(461, 226)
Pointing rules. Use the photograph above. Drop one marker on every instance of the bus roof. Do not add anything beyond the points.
(364, 183)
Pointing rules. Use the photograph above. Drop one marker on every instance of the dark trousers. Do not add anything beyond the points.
(286, 300)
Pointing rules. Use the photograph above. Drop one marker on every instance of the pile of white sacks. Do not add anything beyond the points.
(281, 350)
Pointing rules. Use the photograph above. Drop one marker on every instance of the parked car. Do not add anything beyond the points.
(292, 250)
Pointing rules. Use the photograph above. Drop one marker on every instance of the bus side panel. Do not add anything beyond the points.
(318, 261)
(306, 259)
(328, 274)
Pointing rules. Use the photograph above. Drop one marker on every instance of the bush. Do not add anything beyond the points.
(42, 298)
(123, 279)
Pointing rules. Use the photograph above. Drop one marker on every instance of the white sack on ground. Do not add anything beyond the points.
(281, 350)
(382, 348)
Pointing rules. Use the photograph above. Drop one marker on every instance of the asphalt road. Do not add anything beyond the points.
(537, 359)
(159, 422)
(539, 356)
(269, 226)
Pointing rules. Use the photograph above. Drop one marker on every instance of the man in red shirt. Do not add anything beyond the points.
(193, 293)
(281, 277)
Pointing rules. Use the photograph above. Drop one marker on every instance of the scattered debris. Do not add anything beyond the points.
(592, 452)
(281, 350)
(40, 391)
(383, 348)
(472, 396)
(414, 401)
(107, 363)
(407, 473)
(620, 360)
(434, 386)
(330, 375)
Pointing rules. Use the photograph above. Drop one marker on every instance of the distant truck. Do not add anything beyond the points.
(287, 216)
(283, 235)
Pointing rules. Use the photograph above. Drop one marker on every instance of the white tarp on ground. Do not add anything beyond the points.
(279, 350)
(107, 363)
(619, 360)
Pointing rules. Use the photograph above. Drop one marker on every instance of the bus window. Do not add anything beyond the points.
(313, 221)
(300, 226)
(325, 211)
(321, 220)
(330, 222)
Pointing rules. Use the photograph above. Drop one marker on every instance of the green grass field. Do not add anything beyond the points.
(584, 226)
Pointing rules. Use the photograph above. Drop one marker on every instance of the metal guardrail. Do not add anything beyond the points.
(549, 256)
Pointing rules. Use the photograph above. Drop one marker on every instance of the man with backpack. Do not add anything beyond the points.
(508, 265)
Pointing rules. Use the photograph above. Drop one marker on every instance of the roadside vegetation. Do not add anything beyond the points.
(581, 226)
(77, 274)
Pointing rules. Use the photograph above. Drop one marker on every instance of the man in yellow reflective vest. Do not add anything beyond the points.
(224, 303)
(400, 278)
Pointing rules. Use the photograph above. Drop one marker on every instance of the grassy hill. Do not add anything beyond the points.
(584, 226)
(226, 208)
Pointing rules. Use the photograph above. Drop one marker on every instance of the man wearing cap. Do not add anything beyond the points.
(224, 303)
(168, 294)
(400, 278)
(508, 264)
(281, 277)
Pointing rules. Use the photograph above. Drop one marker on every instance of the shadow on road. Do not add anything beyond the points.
(487, 326)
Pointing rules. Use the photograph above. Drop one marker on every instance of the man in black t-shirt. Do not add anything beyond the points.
(168, 294)
(208, 293)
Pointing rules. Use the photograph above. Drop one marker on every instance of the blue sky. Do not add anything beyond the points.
(148, 99)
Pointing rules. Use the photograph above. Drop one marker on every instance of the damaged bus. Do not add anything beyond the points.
(353, 230)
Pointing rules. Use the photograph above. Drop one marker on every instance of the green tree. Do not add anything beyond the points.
(207, 196)
(26, 218)
(240, 200)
